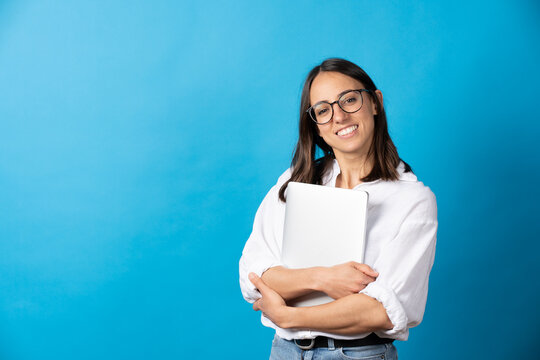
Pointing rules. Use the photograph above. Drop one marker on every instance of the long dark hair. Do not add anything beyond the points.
(306, 168)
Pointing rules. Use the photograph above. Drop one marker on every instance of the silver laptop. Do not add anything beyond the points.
(324, 226)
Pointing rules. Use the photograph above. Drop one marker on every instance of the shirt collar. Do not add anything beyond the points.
(403, 176)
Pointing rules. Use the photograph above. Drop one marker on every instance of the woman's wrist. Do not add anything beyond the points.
(319, 278)
(288, 318)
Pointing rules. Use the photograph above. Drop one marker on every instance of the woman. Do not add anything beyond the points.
(342, 114)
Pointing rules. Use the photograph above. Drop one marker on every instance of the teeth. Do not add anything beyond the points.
(348, 130)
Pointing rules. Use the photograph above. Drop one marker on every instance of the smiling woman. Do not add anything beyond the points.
(350, 133)
(375, 303)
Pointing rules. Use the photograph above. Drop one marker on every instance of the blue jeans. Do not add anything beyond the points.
(287, 350)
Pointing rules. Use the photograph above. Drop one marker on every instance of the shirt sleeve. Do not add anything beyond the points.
(404, 265)
(263, 247)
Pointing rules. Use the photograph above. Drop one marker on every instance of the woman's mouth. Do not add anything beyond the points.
(347, 132)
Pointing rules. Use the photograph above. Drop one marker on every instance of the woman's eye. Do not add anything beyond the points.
(350, 100)
(321, 112)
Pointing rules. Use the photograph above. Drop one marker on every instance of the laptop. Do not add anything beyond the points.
(324, 226)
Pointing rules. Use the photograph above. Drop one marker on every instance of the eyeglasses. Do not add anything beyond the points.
(350, 101)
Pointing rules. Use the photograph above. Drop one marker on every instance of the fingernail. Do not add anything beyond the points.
(251, 275)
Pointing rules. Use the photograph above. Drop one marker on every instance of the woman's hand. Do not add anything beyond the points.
(271, 303)
(345, 279)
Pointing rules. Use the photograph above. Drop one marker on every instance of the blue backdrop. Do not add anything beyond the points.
(137, 140)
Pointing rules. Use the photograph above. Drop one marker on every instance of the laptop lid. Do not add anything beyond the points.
(324, 226)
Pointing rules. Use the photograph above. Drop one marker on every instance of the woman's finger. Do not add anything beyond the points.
(367, 279)
(256, 306)
(366, 269)
(258, 282)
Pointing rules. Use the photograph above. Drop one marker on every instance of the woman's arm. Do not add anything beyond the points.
(336, 281)
(352, 314)
(390, 305)
(292, 283)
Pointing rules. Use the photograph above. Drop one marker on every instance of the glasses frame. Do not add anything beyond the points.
(310, 109)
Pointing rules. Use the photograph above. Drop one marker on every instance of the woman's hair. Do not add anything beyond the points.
(307, 169)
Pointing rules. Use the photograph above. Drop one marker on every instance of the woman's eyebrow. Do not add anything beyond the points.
(343, 92)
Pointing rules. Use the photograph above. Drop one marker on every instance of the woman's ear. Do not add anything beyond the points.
(379, 96)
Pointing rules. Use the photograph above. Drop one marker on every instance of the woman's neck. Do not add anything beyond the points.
(353, 169)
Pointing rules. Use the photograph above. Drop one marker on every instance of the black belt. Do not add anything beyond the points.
(322, 341)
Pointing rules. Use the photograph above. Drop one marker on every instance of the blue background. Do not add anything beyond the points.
(137, 140)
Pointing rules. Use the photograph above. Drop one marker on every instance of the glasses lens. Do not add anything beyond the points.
(351, 101)
(322, 112)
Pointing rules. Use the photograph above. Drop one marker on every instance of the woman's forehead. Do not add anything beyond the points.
(327, 86)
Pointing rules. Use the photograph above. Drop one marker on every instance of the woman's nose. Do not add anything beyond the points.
(339, 114)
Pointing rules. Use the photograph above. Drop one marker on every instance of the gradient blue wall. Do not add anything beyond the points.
(138, 138)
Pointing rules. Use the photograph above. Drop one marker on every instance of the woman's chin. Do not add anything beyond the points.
(350, 150)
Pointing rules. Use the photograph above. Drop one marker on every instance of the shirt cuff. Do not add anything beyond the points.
(249, 291)
(394, 310)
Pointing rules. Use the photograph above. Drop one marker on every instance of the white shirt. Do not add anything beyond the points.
(400, 245)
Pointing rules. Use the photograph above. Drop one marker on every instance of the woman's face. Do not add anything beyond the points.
(327, 86)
